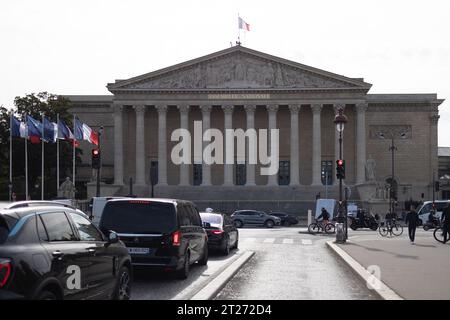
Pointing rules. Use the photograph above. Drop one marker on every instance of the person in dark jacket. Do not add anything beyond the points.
(445, 219)
(412, 219)
(325, 216)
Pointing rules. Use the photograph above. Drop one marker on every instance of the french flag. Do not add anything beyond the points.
(243, 25)
(84, 132)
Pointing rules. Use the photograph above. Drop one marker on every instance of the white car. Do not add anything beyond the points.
(425, 209)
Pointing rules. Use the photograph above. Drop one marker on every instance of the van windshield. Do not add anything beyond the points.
(139, 217)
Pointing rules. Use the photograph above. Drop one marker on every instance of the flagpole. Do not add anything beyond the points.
(73, 156)
(26, 159)
(239, 31)
(42, 160)
(10, 156)
(57, 153)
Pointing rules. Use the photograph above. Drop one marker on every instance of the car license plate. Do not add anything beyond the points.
(139, 250)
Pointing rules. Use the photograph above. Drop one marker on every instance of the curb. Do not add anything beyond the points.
(212, 289)
(381, 289)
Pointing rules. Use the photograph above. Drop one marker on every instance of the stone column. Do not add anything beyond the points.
(272, 110)
(184, 124)
(228, 124)
(118, 144)
(336, 141)
(361, 142)
(162, 145)
(140, 145)
(316, 145)
(295, 162)
(206, 124)
(251, 148)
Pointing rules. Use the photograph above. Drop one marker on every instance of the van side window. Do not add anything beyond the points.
(41, 229)
(195, 216)
(183, 215)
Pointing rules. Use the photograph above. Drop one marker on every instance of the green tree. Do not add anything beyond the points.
(36, 105)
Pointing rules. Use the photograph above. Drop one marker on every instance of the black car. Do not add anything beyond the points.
(286, 219)
(162, 233)
(222, 233)
(54, 252)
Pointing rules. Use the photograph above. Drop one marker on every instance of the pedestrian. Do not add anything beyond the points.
(412, 219)
(445, 219)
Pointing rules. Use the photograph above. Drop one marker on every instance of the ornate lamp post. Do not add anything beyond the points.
(340, 120)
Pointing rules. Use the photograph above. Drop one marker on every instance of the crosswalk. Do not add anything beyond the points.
(288, 241)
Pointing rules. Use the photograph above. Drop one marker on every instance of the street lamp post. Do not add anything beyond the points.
(340, 120)
(100, 131)
(392, 148)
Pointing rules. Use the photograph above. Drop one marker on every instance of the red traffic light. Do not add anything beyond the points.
(95, 152)
(340, 162)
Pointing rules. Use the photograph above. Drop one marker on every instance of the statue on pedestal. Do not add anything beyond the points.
(370, 169)
(67, 189)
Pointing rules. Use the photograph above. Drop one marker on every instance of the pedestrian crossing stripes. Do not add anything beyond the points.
(278, 241)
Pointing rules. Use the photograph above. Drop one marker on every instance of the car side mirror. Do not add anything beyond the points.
(206, 225)
(261, 215)
(113, 237)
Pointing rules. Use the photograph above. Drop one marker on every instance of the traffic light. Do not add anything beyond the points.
(340, 169)
(95, 158)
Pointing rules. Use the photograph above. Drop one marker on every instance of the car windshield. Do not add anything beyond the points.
(6, 225)
(136, 216)
(213, 219)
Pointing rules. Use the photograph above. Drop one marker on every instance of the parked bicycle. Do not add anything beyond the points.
(318, 226)
(390, 228)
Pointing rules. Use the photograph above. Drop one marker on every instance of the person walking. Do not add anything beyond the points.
(412, 219)
(445, 219)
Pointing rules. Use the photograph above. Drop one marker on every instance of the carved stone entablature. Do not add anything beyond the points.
(435, 118)
(389, 131)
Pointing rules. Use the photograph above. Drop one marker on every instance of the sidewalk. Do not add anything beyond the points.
(420, 271)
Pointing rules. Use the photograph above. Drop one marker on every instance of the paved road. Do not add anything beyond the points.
(418, 271)
(291, 264)
(150, 285)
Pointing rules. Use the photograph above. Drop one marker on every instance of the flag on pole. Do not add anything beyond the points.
(34, 130)
(64, 132)
(23, 130)
(50, 130)
(15, 127)
(243, 25)
(84, 132)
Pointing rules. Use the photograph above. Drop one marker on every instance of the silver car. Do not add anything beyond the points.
(253, 217)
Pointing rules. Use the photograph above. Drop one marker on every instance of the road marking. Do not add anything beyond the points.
(269, 240)
(306, 241)
(288, 241)
(250, 239)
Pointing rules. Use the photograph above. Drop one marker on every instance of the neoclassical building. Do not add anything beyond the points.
(242, 88)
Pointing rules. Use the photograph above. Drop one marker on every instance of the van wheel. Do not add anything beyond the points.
(183, 273)
(204, 260)
(46, 295)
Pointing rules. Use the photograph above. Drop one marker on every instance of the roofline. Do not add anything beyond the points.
(404, 98)
(120, 83)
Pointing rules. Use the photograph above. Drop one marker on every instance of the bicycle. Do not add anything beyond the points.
(316, 226)
(391, 228)
(438, 233)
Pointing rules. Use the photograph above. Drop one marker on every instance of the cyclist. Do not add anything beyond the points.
(445, 219)
(325, 216)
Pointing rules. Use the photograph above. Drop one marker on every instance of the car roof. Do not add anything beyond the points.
(163, 200)
(212, 213)
(19, 213)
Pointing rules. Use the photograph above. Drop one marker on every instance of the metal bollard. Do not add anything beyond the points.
(309, 217)
(340, 233)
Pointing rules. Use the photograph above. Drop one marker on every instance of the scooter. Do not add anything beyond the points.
(368, 222)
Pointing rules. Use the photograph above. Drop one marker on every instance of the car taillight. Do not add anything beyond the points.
(5, 271)
(176, 238)
(217, 232)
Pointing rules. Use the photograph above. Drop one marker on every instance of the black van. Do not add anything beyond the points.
(162, 233)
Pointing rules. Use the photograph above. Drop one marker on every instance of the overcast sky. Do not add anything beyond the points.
(78, 46)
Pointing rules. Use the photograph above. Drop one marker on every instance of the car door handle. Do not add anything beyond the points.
(91, 250)
(57, 254)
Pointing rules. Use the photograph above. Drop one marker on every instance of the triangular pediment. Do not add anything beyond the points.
(238, 68)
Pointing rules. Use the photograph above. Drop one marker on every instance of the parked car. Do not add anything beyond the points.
(50, 251)
(222, 233)
(159, 233)
(286, 219)
(253, 217)
(427, 206)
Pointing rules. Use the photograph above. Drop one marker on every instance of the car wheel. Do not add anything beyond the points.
(269, 224)
(236, 244)
(184, 271)
(204, 260)
(287, 224)
(123, 287)
(46, 295)
(226, 249)
(238, 223)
